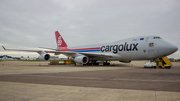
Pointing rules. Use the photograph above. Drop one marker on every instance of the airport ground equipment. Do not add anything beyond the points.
(150, 64)
(69, 61)
(163, 63)
(55, 62)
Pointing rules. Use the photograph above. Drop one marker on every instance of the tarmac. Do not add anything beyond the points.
(38, 81)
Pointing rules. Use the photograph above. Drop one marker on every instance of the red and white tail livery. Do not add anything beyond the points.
(61, 44)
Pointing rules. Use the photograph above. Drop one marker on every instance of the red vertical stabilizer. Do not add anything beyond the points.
(61, 44)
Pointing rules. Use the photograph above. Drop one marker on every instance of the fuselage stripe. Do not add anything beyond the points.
(81, 49)
(94, 50)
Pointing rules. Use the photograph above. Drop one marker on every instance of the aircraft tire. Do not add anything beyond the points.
(95, 64)
(106, 63)
(169, 67)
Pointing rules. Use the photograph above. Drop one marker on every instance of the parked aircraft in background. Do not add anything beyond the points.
(136, 48)
(6, 57)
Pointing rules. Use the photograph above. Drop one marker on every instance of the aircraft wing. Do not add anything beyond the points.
(47, 48)
(89, 54)
(38, 51)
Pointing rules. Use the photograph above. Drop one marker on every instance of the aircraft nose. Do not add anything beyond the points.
(169, 48)
(174, 48)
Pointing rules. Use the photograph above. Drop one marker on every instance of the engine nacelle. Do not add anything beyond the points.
(81, 59)
(125, 61)
(44, 57)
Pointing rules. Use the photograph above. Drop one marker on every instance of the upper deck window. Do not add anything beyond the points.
(157, 38)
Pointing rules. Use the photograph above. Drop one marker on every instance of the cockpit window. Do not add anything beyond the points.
(157, 38)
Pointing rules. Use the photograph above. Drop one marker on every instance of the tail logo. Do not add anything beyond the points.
(59, 41)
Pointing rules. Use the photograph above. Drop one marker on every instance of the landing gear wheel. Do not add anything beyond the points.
(106, 63)
(169, 67)
(160, 67)
(94, 63)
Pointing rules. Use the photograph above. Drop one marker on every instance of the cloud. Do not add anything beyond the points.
(32, 23)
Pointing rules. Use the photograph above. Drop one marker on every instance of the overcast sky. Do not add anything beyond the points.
(28, 24)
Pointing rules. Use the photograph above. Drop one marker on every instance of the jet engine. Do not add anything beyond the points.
(81, 59)
(44, 57)
(125, 61)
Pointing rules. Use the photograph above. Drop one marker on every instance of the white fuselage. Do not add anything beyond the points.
(137, 48)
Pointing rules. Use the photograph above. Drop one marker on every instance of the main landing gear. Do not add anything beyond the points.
(96, 63)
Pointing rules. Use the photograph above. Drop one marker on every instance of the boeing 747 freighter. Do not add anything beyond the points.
(135, 48)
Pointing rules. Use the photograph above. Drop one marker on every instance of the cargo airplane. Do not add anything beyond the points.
(135, 48)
